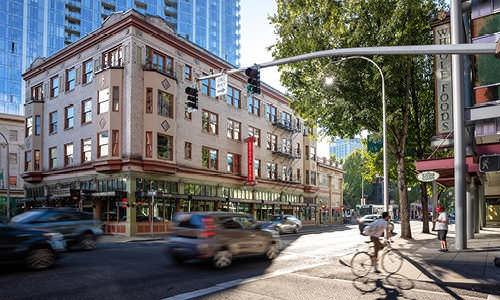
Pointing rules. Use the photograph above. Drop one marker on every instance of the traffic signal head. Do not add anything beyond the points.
(253, 74)
(192, 98)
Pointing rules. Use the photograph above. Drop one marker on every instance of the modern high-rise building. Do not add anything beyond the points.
(341, 148)
(32, 29)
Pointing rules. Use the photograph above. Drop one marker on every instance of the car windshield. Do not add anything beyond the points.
(276, 218)
(24, 217)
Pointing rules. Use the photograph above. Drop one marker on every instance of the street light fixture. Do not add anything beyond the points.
(8, 176)
(384, 127)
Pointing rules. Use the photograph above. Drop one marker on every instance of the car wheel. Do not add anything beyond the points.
(296, 229)
(40, 258)
(223, 259)
(88, 241)
(273, 251)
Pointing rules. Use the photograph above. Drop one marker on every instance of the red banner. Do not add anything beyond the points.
(250, 142)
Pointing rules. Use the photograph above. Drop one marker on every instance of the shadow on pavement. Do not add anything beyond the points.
(391, 286)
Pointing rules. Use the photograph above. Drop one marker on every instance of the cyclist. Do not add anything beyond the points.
(375, 231)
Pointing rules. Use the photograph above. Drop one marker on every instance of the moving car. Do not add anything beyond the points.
(78, 228)
(36, 249)
(284, 224)
(368, 219)
(219, 237)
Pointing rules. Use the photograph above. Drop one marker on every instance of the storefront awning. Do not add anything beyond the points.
(446, 168)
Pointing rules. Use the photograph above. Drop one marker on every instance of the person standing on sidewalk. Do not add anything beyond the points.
(375, 230)
(442, 228)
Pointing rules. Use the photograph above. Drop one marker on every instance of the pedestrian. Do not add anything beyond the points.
(375, 230)
(442, 228)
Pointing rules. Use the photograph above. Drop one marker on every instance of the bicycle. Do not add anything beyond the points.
(390, 259)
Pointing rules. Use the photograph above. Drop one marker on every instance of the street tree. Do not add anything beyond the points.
(352, 101)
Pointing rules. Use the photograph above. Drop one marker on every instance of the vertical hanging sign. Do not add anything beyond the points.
(250, 141)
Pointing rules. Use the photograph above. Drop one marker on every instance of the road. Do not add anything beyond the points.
(140, 270)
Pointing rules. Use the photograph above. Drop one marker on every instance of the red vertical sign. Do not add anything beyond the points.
(249, 142)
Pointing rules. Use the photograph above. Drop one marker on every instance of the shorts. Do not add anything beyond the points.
(442, 235)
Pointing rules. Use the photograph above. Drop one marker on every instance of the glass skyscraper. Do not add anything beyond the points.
(38, 28)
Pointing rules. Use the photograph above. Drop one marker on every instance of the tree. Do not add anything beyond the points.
(353, 102)
(356, 167)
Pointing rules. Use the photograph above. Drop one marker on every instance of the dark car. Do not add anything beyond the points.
(368, 219)
(78, 228)
(36, 249)
(218, 237)
(284, 224)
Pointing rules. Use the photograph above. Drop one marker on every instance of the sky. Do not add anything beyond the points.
(257, 34)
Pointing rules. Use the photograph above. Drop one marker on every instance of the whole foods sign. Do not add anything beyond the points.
(442, 71)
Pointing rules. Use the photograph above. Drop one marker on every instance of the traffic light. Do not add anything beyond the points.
(192, 99)
(253, 74)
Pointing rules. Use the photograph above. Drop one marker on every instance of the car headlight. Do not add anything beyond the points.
(54, 235)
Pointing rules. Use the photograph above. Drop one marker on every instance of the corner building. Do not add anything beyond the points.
(107, 130)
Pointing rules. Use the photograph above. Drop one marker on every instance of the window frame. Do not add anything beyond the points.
(69, 121)
(54, 86)
(206, 154)
(86, 148)
(207, 123)
(101, 145)
(86, 116)
(233, 131)
(70, 79)
(169, 147)
(165, 103)
(52, 157)
(87, 72)
(53, 118)
(69, 155)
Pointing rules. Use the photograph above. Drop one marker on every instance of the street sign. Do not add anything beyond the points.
(428, 176)
(489, 163)
(221, 85)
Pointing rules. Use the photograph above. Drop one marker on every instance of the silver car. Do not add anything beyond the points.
(285, 224)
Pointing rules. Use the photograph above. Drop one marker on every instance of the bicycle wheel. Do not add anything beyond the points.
(392, 261)
(361, 263)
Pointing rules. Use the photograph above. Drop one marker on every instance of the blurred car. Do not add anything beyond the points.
(142, 218)
(368, 219)
(219, 237)
(36, 249)
(78, 228)
(284, 224)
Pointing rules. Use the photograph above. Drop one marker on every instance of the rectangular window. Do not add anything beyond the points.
(254, 106)
(256, 168)
(272, 142)
(70, 79)
(271, 112)
(149, 144)
(272, 171)
(86, 111)
(165, 104)
(188, 147)
(188, 73)
(37, 157)
(299, 178)
(38, 125)
(102, 144)
(68, 155)
(53, 122)
(233, 163)
(112, 58)
(313, 178)
(29, 126)
(115, 142)
(209, 122)
(86, 154)
(187, 114)
(53, 158)
(37, 92)
(87, 71)
(54, 86)
(313, 152)
(307, 153)
(209, 158)
(69, 117)
(255, 132)
(165, 146)
(286, 119)
(233, 130)
(307, 176)
(208, 87)
(103, 101)
(27, 161)
(159, 62)
(116, 98)
(149, 100)
(233, 97)
(286, 146)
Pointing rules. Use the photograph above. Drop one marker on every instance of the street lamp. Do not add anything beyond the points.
(384, 127)
(8, 176)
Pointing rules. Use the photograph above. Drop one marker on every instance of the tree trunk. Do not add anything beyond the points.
(425, 205)
(403, 198)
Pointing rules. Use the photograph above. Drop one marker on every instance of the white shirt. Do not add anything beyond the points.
(378, 227)
(442, 223)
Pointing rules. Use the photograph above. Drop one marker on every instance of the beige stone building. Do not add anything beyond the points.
(11, 182)
(110, 132)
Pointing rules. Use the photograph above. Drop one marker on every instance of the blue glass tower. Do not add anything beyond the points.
(38, 28)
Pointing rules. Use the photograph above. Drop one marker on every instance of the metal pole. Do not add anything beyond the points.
(8, 176)
(458, 126)
(384, 129)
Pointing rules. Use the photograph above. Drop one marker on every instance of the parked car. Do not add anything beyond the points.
(78, 228)
(368, 219)
(219, 237)
(284, 224)
(36, 249)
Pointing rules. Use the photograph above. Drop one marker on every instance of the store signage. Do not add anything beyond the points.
(250, 142)
(428, 176)
(442, 71)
